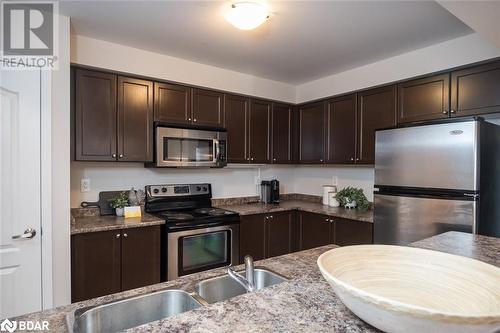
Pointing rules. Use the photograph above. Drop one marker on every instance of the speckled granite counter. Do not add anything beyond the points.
(312, 207)
(306, 303)
(85, 224)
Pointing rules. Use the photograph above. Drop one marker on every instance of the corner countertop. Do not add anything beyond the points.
(86, 224)
(312, 207)
(306, 303)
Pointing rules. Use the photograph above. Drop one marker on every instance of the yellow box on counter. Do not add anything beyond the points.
(133, 211)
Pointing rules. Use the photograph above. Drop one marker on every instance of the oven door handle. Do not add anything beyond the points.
(200, 226)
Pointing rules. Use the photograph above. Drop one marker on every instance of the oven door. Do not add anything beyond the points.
(177, 147)
(197, 250)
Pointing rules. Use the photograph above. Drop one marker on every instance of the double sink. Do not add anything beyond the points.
(131, 312)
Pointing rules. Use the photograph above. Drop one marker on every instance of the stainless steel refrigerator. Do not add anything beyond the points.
(435, 178)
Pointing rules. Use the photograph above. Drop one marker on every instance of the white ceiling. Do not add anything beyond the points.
(302, 41)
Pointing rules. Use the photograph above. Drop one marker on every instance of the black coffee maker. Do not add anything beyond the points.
(270, 191)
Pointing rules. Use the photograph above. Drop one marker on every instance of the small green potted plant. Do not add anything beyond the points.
(119, 203)
(351, 197)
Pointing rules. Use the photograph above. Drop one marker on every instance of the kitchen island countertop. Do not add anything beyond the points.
(306, 303)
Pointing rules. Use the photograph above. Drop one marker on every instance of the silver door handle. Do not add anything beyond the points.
(28, 233)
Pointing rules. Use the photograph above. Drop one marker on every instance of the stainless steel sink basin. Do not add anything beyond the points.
(223, 287)
(131, 312)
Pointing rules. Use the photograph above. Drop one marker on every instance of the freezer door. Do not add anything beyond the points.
(440, 156)
(401, 220)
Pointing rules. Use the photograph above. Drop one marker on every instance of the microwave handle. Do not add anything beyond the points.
(216, 150)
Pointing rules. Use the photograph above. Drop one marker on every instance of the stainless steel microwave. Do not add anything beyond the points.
(181, 147)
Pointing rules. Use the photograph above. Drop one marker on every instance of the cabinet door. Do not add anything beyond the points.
(207, 108)
(235, 121)
(95, 116)
(135, 120)
(252, 237)
(279, 235)
(376, 110)
(95, 264)
(259, 131)
(424, 99)
(172, 103)
(312, 133)
(476, 90)
(282, 133)
(140, 257)
(315, 229)
(350, 232)
(341, 121)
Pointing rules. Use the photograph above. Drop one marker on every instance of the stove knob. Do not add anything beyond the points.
(198, 188)
(164, 189)
(156, 191)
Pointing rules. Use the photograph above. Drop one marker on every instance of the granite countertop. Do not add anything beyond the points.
(85, 224)
(312, 207)
(306, 303)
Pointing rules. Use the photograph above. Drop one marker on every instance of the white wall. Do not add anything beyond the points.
(235, 181)
(456, 52)
(60, 185)
(309, 179)
(99, 53)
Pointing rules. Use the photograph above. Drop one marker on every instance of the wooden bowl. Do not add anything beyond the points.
(404, 289)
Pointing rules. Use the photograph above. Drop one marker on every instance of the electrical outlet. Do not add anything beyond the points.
(85, 185)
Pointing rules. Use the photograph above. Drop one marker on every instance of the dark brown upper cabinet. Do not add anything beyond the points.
(207, 108)
(172, 103)
(376, 110)
(259, 131)
(476, 90)
(95, 116)
(341, 130)
(282, 120)
(312, 133)
(424, 99)
(236, 123)
(135, 120)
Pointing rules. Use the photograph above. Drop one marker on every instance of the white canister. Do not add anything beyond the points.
(332, 199)
(326, 190)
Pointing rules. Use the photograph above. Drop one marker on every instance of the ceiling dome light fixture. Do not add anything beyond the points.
(247, 15)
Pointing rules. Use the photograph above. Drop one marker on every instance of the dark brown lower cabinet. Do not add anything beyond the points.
(350, 232)
(107, 262)
(315, 230)
(267, 235)
(252, 236)
(319, 230)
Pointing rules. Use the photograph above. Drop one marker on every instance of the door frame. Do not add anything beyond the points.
(46, 187)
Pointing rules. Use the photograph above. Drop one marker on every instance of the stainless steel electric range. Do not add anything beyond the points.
(196, 236)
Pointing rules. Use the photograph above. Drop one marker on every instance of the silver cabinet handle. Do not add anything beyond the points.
(28, 234)
(125, 235)
(327, 220)
(194, 119)
(452, 111)
(121, 156)
(274, 159)
(189, 119)
(117, 235)
(352, 158)
(113, 155)
(357, 158)
(251, 158)
(445, 112)
(321, 160)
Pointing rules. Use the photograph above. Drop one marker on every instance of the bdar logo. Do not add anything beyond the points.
(9, 326)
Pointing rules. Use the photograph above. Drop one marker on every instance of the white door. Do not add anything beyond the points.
(20, 196)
